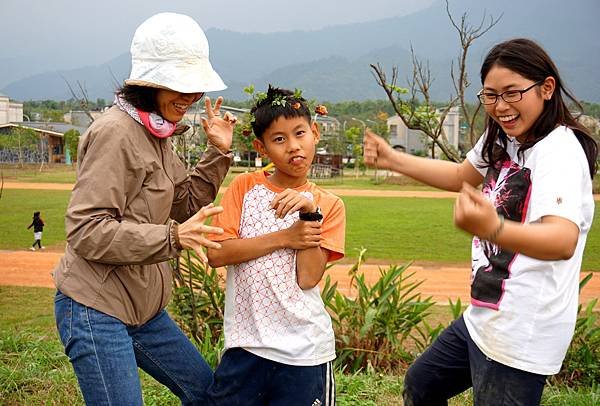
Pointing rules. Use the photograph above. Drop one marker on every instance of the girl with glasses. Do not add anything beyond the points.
(535, 165)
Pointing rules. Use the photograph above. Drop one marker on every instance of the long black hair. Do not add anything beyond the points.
(529, 60)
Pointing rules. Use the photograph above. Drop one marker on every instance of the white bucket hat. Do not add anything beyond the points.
(171, 51)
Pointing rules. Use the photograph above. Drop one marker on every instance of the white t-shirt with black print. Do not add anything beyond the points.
(523, 310)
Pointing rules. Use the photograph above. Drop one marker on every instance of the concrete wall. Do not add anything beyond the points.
(10, 111)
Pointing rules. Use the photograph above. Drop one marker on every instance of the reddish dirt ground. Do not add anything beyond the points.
(340, 192)
(27, 268)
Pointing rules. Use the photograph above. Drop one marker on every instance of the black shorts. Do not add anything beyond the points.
(243, 378)
(454, 363)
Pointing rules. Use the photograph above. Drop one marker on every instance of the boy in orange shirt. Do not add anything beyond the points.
(280, 231)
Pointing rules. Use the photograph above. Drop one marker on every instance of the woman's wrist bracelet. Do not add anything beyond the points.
(492, 237)
(174, 235)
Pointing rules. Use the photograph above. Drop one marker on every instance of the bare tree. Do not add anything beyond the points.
(82, 99)
(467, 34)
(188, 138)
(418, 112)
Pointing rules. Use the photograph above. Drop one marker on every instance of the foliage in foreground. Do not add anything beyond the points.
(376, 329)
(581, 366)
(382, 328)
(35, 371)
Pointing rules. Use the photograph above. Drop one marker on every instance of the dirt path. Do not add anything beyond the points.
(26, 268)
(435, 194)
(339, 192)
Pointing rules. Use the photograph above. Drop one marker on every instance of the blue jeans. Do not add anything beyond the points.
(454, 363)
(106, 353)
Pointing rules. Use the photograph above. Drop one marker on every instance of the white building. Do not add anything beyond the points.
(10, 111)
(414, 141)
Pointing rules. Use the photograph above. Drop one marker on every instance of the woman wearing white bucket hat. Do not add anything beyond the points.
(123, 221)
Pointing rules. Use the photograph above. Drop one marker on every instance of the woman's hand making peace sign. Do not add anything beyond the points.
(219, 130)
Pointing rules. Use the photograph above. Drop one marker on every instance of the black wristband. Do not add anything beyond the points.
(314, 216)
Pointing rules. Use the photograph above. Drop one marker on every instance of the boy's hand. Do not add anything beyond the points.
(303, 234)
(191, 233)
(475, 214)
(290, 201)
(218, 130)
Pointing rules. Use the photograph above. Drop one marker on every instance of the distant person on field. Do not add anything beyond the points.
(280, 230)
(38, 227)
(529, 223)
(134, 207)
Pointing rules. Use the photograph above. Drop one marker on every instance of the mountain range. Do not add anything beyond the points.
(332, 64)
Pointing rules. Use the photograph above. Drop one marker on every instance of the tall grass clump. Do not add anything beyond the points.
(379, 328)
(383, 327)
(199, 304)
(581, 366)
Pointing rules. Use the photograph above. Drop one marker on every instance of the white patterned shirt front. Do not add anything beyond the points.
(266, 312)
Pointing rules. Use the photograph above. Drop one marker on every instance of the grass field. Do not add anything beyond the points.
(35, 371)
(17, 207)
(32, 173)
(392, 229)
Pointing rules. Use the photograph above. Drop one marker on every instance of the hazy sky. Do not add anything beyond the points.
(49, 26)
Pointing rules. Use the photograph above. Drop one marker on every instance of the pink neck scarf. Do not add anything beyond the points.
(158, 126)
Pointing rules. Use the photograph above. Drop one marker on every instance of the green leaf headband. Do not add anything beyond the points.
(278, 100)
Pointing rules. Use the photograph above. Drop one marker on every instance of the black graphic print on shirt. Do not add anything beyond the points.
(508, 186)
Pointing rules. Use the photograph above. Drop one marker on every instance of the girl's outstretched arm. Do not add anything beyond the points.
(552, 238)
(434, 172)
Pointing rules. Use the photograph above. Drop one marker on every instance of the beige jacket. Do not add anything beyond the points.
(129, 186)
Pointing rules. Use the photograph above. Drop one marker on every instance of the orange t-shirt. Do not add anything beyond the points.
(266, 312)
(244, 187)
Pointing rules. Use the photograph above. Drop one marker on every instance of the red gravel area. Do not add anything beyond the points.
(27, 268)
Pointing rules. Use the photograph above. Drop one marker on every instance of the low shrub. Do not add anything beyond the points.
(581, 366)
(382, 329)
(198, 304)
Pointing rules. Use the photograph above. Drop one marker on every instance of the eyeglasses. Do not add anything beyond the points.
(510, 96)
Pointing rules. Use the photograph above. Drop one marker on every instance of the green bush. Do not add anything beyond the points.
(581, 366)
(198, 304)
(71, 138)
(383, 327)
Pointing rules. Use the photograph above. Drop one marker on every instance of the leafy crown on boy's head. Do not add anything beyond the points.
(276, 103)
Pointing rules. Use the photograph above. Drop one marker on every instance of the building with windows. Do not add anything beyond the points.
(51, 135)
(415, 141)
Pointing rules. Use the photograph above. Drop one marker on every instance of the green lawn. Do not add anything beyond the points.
(17, 207)
(32, 173)
(391, 228)
(35, 371)
(404, 229)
